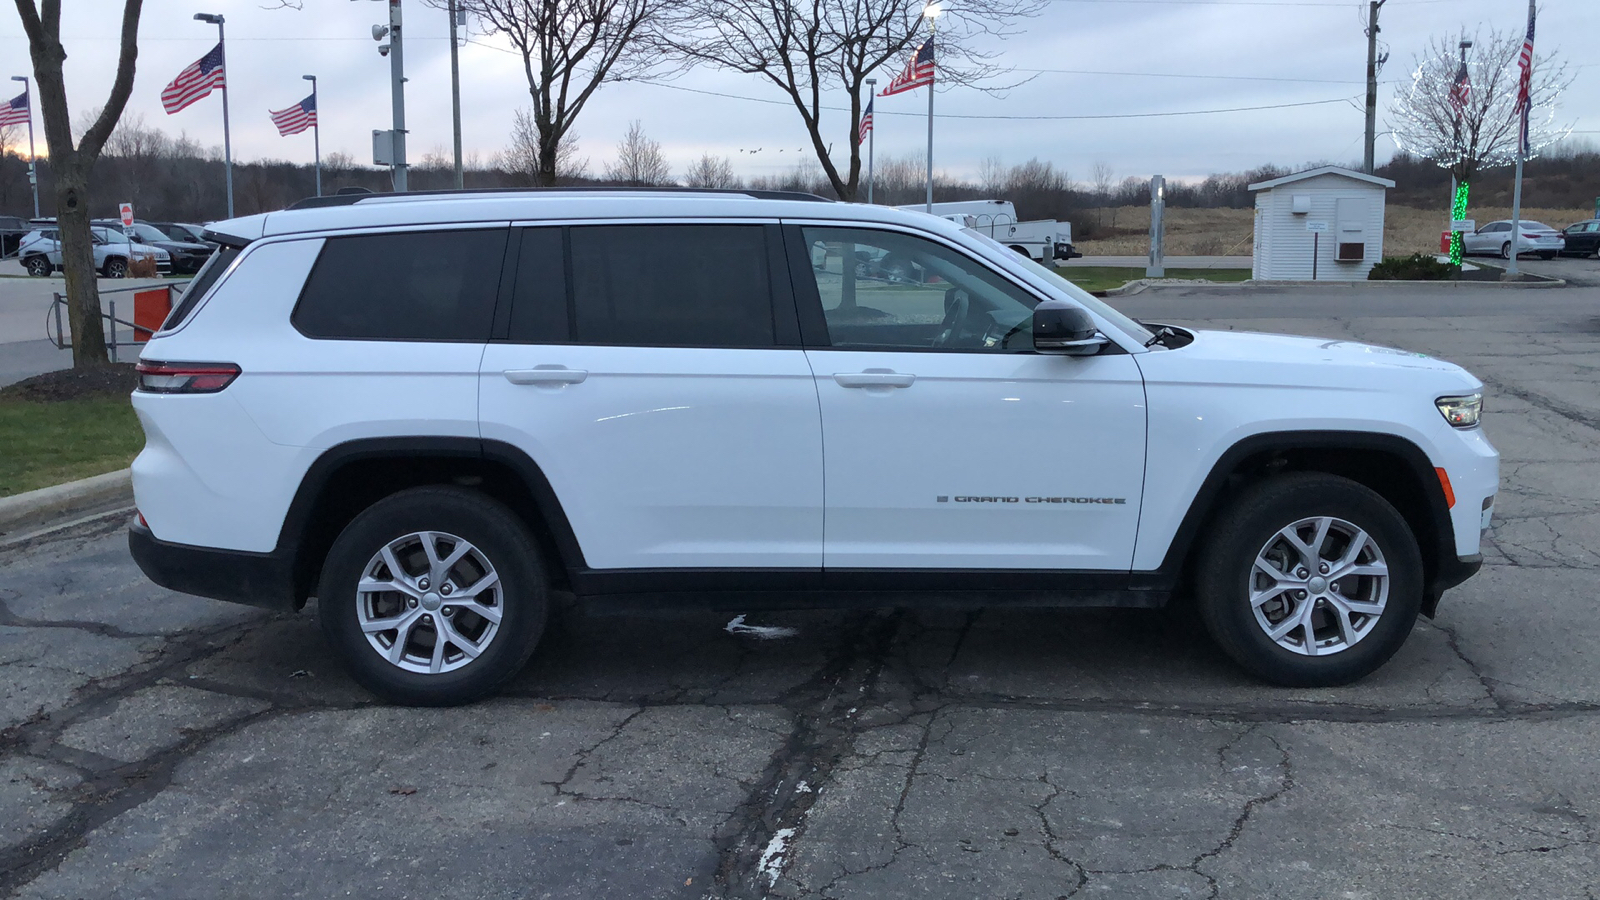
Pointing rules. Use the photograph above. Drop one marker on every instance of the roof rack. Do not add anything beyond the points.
(348, 199)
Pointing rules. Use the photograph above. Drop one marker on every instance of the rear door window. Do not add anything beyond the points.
(407, 286)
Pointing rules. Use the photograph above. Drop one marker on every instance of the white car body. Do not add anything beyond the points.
(1532, 237)
(802, 466)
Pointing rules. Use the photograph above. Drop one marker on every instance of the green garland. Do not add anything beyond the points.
(1458, 211)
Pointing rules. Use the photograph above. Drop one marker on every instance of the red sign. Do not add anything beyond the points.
(127, 214)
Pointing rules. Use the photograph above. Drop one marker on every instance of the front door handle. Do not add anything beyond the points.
(546, 375)
(875, 378)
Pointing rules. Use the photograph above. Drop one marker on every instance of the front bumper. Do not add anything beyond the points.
(1452, 571)
(254, 579)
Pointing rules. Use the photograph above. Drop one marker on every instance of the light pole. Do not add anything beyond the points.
(872, 91)
(931, 12)
(316, 130)
(227, 143)
(33, 165)
(395, 50)
(1458, 188)
(455, 88)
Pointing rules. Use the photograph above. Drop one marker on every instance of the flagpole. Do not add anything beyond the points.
(932, 12)
(316, 130)
(227, 142)
(33, 164)
(1522, 151)
(872, 134)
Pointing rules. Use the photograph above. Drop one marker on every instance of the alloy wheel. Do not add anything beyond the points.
(1319, 586)
(429, 602)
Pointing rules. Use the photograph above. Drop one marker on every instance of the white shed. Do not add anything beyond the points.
(1335, 210)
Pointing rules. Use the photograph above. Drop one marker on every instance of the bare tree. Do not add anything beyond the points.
(521, 158)
(71, 163)
(711, 172)
(1103, 178)
(640, 162)
(569, 48)
(807, 49)
(1483, 134)
(992, 177)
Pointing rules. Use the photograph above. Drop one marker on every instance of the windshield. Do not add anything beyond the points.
(111, 236)
(1078, 294)
(147, 234)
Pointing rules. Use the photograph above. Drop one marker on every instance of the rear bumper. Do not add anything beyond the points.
(254, 579)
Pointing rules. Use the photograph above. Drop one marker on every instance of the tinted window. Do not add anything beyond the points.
(670, 285)
(200, 283)
(883, 289)
(539, 310)
(419, 285)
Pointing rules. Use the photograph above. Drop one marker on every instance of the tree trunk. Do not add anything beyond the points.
(549, 148)
(77, 263)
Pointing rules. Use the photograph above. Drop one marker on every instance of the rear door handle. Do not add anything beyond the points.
(880, 378)
(546, 375)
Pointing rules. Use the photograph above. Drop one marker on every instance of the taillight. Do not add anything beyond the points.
(185, 378)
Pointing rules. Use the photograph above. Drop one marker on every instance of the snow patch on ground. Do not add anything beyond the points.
(776, 853)
(764, 632)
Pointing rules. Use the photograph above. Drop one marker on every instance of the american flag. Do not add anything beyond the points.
(1525, 85)
(195, 82)
(16, 111)
(1461, 90)
(919, 71)
(866, 123)
(296, 118)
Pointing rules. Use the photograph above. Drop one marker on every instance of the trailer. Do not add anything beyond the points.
(1041, 240)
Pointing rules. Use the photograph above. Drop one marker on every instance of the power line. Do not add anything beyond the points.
(1195, 76)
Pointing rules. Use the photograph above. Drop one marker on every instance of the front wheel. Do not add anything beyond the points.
(116, 267)
(1310, 580)
(38, 266)
(434, 596)
(1505, 250)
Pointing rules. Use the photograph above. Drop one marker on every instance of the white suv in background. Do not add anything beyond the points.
(430, 411)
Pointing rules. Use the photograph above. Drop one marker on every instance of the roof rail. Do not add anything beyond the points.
(343, 199)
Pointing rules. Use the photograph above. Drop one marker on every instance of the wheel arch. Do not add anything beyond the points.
(1392, 466)
(350, 477)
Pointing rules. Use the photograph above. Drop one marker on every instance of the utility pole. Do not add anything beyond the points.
(395, 50)
(455, 89)
(1373, 64)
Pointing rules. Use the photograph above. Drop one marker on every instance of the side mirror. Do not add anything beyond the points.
(1060, 327)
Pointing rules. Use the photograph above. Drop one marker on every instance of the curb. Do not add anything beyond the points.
(52, 502)
(1543, 282)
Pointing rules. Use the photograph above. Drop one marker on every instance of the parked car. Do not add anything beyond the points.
(12, 231)
(181, 231)
(430, 420)
(187, 256)
(1040, 240)
(1582, 239)
(1495, 237)
(40, 252)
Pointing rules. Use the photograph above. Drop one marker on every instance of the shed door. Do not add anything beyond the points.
(1350, 218)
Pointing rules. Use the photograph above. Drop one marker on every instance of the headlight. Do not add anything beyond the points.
(1461, 412)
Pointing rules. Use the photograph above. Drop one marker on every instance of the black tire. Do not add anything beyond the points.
(490, 527)
(38, 266)
(1225, 567)
(116, 267)
(1548, 254)
(1505, 250)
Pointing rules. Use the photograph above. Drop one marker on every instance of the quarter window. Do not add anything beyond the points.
(417, 285)
(882, 289)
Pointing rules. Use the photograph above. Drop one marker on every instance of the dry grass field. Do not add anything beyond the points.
(1230, 232)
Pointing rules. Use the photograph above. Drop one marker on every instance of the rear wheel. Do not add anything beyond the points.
(1505, 250)
(434, 596)
(1310, 580)
(38, 266)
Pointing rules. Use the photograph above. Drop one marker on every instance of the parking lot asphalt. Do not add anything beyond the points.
(160, 746)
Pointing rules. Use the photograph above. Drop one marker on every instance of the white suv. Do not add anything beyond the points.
(431, 411)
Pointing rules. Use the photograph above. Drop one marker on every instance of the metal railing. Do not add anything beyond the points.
(55, 325)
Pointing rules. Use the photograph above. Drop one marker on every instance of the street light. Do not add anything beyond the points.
(227, 142)
(316, 129)
(33, 171)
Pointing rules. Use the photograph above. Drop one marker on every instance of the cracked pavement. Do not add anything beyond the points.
(160, 746)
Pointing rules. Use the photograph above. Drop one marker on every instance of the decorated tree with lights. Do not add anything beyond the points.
(1463, 115)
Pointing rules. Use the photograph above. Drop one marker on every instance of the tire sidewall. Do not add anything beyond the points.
(1254, 519)
(475, 518)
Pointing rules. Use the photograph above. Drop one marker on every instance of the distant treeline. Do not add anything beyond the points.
(177, 179)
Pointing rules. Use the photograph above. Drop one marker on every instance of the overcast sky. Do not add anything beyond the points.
(1122, 53)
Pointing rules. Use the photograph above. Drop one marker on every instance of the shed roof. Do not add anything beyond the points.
(1324, 170)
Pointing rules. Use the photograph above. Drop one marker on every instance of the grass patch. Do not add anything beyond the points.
(1104, 278)
(52, 443)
